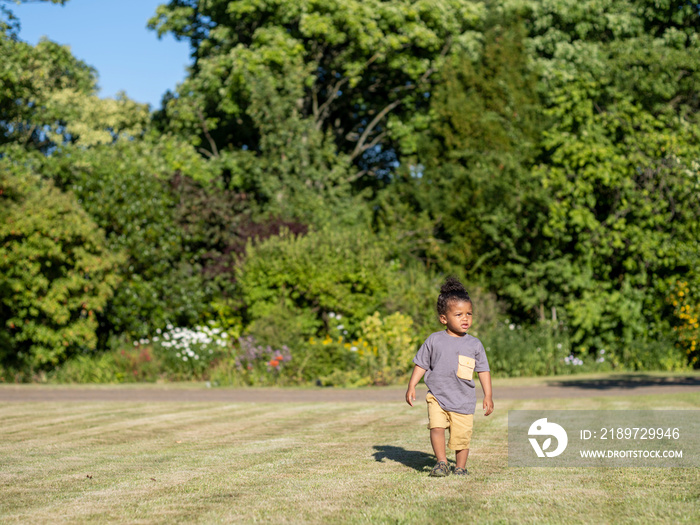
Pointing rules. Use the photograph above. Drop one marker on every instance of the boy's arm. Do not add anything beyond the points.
(485, 380)
(416, 376)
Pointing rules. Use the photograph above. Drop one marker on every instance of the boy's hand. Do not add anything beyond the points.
(416, 376)
(488, 405)
(410, 395)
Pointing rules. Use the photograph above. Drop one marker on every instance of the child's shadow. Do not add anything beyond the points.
(419, 461)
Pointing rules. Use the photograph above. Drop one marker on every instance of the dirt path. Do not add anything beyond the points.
(568, 388)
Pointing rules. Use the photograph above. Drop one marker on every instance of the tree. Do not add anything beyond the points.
(48, 99)
(312, 89)
(470, 173)
(619, 86)
(56, 272)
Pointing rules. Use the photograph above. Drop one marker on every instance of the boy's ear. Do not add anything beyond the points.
(443, 319)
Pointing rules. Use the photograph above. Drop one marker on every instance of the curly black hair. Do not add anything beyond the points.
(452, 290)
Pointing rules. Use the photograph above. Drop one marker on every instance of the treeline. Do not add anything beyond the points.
(325, 164)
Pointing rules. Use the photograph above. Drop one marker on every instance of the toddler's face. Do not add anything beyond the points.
(458, 318)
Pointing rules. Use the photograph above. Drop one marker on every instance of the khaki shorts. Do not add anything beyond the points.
(460, 425)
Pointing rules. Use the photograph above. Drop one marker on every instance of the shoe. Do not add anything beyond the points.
(461, 471)
(440, 470)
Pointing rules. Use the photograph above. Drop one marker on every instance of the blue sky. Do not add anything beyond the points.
(112, 37)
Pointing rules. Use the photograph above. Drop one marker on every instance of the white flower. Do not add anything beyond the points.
(353, 349)
(511, 326)
(600, 360)
(340, 327)
(158, 331)
(602, 351)
(559, 346)
(184, 358)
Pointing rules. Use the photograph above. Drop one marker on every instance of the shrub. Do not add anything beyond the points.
(686, 310)
(381, 356)
(544, 349)
(333, 270)
(124, 188)
(185, 353)
(392, 346)
(253, 364)
(654, 354)
(329, 361)
(123, 364)
(56, 271)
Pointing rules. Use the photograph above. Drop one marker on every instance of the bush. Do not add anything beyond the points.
(56, 271)
(392, 346)
(186, 353)
(381, 356)
(659, 354)
(544, 349)
(686, 309)
(124, 189)
(334, 270)
(253, 364)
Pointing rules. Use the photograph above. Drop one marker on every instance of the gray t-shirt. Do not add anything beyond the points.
(450, 363)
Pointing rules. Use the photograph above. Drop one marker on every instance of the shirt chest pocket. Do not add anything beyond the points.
(465, 369)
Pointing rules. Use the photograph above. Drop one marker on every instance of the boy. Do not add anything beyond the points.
(448, 359)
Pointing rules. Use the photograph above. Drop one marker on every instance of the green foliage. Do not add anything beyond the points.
(31, 76)
(116, 366)
(324, 165)
(470, 175)
(120, 186)
(344, 271)
(545, 349)
(620, 163)
(651, 354)
(57, 272)
(334, 362)
(686, 310)
(253, 364)
(381, 355)
(392, 346)
(187, 354)
(308, 88)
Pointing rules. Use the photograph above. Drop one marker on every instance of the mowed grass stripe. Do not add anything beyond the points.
(306, 463)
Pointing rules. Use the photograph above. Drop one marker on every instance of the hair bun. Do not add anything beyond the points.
(452, 285)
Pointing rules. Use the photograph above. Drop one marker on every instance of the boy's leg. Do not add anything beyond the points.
(437, 440)
(461, 458)
(461, 426)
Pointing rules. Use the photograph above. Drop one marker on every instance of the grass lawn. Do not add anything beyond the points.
(307, 463)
